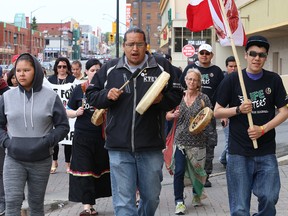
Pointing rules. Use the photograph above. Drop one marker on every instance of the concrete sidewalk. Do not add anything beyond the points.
(216, 203)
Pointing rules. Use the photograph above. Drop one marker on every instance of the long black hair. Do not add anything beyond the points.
(64, 59)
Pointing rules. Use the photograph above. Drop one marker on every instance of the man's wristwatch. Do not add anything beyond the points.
(238, 111)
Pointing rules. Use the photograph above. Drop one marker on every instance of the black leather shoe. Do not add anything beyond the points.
(207, 183)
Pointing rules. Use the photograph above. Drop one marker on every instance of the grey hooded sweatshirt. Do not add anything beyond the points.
(32, 122)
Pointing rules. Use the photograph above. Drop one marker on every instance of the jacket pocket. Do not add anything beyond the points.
(29, 149)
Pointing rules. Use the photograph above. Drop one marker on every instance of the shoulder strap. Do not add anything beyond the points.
(202, 103)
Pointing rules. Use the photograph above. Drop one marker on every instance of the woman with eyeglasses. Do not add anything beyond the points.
(89, 177)
(190, 148)
(62, 75)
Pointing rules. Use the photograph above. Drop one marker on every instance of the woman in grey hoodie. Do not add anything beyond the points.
(32, 121)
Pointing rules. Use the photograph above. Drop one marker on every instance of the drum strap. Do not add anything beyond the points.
(202, 103)
(84, 87)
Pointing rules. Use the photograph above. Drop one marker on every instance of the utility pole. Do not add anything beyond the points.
(31, 30)
(61, 32)
(117, 30)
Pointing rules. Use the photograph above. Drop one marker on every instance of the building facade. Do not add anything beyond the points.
(146, 15)
(58, 39)
(265, 17)
(17, 38)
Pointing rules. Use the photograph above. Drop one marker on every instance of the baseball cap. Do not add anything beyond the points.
(15, 57)
(206, 47)
(257, 40)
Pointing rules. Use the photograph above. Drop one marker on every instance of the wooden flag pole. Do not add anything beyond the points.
(242, 85)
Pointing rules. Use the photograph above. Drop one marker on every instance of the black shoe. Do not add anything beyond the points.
(208, 183)
(224, 164)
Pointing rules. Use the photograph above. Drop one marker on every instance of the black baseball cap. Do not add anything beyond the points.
(259, 41)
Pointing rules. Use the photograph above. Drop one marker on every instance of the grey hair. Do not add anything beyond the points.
(198, 74)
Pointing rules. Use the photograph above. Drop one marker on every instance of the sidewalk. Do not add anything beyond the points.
(216, 204)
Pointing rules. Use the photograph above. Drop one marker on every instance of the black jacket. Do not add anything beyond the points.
(126, 129)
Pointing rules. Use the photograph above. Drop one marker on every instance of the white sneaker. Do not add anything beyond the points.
(180, 208)
(196, 201)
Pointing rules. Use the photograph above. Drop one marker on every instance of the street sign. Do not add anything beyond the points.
(188, 50)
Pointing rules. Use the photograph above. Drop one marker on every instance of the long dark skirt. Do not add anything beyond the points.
(89, 170)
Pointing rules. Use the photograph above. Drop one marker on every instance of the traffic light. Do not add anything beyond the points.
(111, 38)
(148, 47)
(114, 27)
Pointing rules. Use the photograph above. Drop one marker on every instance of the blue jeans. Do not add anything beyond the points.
(180, 165)
(259, 175)
(224, 155)
(129, 171)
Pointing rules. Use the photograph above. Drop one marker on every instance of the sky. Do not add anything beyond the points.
(99, 13)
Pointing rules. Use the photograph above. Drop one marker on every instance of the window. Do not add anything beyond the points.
(183, 36)
(148, 4)
(15, 38)
(47, 42)
(134, 16)
(148, 16)
(135, 5)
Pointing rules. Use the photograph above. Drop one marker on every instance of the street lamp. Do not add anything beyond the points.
(61, 32)
(31, 26)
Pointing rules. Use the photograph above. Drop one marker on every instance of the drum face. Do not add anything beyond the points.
(97, 117)
(201, 120)
(152, 92)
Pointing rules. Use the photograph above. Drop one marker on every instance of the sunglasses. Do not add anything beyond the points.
(255, 54)
(61, 66)
(204, 53)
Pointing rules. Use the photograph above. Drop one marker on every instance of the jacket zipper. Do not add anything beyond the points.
(133, 117)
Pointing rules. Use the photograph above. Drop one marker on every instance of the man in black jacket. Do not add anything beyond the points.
(134, 142)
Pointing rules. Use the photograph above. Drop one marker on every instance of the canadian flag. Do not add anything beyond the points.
(201, 14)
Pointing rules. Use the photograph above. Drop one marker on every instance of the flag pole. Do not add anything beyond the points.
(242, 85)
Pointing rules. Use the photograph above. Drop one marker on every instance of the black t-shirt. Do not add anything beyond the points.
(83, 122)
(211, 77)
(265, 93)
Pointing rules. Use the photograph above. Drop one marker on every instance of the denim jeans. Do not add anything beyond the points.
(224, 155)
(129, 171)
(180, 164)
(259, 175)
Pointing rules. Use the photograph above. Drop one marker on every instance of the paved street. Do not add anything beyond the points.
(216, 204)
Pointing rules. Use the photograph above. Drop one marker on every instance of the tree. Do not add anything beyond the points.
(34, 25)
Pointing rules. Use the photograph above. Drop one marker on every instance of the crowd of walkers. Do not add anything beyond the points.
(122, 156)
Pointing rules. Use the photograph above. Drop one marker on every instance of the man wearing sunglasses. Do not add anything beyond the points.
(253, 169)
(211, 76)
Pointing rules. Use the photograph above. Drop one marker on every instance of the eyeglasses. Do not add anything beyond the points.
(204, 53)
(255, 54)
(61, 66)
(191, 80)
(138, 45)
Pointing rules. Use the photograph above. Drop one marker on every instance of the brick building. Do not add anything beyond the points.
(58, 39)
(16, 40)
(146, 15)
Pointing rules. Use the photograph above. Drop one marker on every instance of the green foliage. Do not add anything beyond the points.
(34, 25)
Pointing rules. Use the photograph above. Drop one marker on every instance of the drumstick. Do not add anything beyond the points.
(134, 75)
